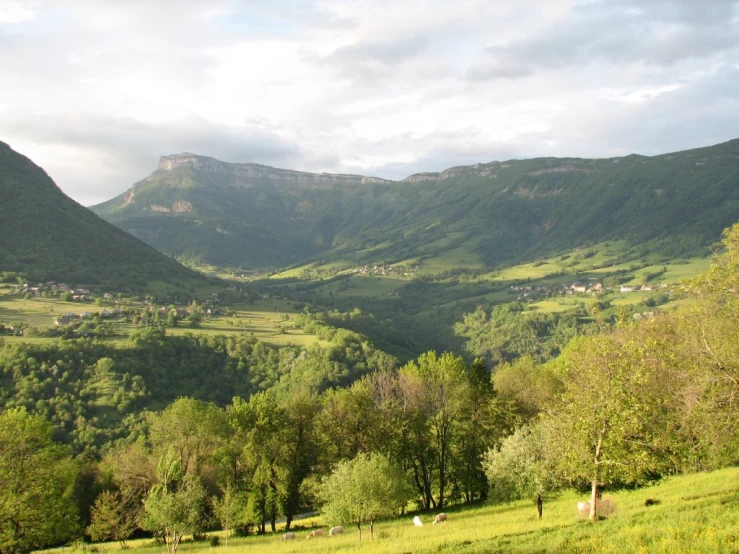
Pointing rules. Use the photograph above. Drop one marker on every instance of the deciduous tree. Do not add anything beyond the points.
(37, 478)
(362, 490)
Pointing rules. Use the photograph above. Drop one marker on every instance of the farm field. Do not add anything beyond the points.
(38, 312)
(265, 319)
(695, 513)
(363, 285)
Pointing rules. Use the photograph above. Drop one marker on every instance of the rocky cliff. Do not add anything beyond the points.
(245, 173)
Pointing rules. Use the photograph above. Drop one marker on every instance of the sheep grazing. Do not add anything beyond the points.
(417, 522)
(315, 533)
(288, 536)
(583, 509)
(439, 518)
(335, 531)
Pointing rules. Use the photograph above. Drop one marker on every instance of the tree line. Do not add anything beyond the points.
(617, 408)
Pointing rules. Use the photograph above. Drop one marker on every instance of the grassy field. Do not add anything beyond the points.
(263, 318)
(39, 312)
(695, 514)
(363, 285)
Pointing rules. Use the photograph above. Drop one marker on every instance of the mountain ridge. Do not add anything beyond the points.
(253, 216)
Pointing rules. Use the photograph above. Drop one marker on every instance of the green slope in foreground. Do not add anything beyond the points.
(696, 513)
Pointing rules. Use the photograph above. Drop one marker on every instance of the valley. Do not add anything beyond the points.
(444, 347)
(396, 277)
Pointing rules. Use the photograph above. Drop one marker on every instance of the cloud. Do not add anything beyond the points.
(98, 157)
(96, 91)
(617, 33)
(374, 59)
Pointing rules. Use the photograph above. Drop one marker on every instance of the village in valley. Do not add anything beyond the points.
(593, 287)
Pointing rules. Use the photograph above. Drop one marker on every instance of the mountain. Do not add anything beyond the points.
(46, 235)
(256, 216)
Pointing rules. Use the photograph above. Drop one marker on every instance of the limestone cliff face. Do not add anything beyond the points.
(244, 173)
(484, 170)
(494, 169)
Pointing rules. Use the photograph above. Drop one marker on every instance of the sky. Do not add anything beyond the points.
(94, 91)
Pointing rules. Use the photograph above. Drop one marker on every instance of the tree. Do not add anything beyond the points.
(364, 489)
(258, 427)
(347, 420)
(708, 340)
(229, 509)
(530, 386)
(112, 519)
(192, 428)
(518, 468)
(447, 390)
(299, 450)
(37, 479)
(609, 426)
(132, 472)
(481, 427)
(175, 505)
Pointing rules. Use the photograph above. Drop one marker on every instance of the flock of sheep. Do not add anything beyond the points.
(583, 509)
(339, 529)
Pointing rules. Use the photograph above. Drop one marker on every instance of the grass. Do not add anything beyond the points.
(363, 285)
(39, 312)
(695, 514)
(263, 318)
(561, 304)
(462, 256)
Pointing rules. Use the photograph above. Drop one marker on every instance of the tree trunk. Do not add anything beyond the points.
(539, 504)
(596, 472)
(442, 432)
(594, 500)
(372, 529)
(442, 477)
(359, 526)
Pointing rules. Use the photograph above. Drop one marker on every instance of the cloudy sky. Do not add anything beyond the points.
(95, 91)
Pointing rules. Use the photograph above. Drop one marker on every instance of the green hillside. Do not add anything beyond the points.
(481, 216)
(46, 235)
(694, 513)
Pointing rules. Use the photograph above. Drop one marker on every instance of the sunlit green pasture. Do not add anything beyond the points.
(269, 320)
(558, 304)
(262, 328)
(336, 265)
(38, 312)
(695, 513)
(460, 257)
(194, 288)
(363, 285)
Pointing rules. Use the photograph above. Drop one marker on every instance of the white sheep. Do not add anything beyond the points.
(315, 533)
(335, 531)
(417, 522)
(288, 536)
(439, 518)
(583, 509)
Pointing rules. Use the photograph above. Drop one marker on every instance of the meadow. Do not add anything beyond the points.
(267, 319)
(696, 513)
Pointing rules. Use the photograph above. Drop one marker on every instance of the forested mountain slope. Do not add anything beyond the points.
(256, 216)
(46, 235)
